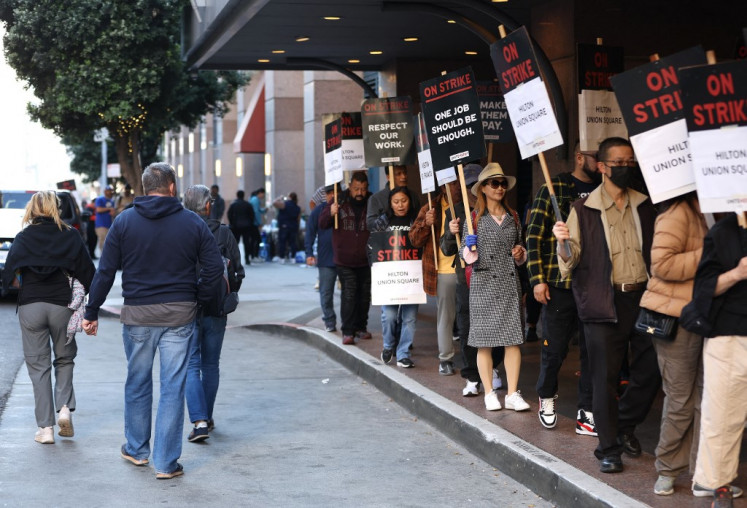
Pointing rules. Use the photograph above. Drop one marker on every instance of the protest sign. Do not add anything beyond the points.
(740, 53)
(388, 131)
(528, 103)
(716, 115)
(333, 152)
(651, 103)
(396, 269)
(599, 115)
(529, 107)
(451, 111)
(493, 113)
(352, 153)
(425, 163)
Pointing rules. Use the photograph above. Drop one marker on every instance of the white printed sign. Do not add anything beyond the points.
(533, 118)
(333, 167)
(427, 183)
(352, 155)
(445, 176)
(720, 160)
(397, 283)
(599, 118)
(665, 159)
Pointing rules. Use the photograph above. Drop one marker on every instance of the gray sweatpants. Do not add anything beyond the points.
(41, 322)
(445, 314)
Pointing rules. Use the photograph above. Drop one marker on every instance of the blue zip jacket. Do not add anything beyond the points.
(157, 244)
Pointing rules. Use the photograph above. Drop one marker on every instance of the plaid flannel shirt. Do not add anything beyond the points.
(542, 258)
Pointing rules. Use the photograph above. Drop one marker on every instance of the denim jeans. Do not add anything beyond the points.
(355, 301)
(140, 345)
(203, 370)
(327, 277)
(389, 327)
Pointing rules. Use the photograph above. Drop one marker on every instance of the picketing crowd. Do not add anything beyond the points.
(611, 256)
(614, 262)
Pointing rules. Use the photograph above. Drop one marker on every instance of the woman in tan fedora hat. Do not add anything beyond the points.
(495, 291)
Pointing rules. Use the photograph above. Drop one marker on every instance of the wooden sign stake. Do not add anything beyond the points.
(451, 207)
(391, 177)
(338, 209)
(490, 153)
(465, 200)
(433, 231)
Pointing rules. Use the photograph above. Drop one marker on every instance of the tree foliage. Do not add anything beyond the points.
(114, 64)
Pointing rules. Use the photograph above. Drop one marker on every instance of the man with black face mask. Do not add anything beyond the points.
(350, 256)
(610, 234)
(560, 318)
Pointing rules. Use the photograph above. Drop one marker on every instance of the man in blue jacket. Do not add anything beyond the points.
(156, 244)
(323, 260)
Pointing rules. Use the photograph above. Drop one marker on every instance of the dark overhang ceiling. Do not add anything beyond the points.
(246, 32)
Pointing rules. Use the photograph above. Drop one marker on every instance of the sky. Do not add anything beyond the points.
(33, 158)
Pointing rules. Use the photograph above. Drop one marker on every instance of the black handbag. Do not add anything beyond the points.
(655, 324)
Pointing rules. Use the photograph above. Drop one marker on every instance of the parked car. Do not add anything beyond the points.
(13, 207)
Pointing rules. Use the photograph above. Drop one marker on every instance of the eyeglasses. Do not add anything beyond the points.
(495, 183)
(620, 162)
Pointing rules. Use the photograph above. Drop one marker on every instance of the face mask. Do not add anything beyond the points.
(620, 176)
(594, 176)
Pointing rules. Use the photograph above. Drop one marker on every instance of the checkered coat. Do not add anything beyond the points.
(495, 289)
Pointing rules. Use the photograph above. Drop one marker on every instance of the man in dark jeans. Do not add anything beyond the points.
(349, 248)
(553, 291)
(241, 221)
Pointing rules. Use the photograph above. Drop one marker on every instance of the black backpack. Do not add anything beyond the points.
(227, 297)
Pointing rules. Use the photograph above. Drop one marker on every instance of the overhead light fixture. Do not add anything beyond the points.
(302, 38)
(499, 1)
(451, 21)
(278, 51)
(471, 53)
(376, 52)
(331, 18)
(354, 60)
(410, 39)
(263, 60)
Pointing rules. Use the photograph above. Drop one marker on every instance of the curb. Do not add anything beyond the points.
(545, 474)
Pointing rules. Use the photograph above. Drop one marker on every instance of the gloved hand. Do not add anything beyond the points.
(470, 241)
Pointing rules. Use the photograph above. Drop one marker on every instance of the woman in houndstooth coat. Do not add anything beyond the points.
(495, 290)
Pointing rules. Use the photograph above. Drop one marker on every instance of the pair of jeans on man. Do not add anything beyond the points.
(355, 299)
(140, 345)
(327, 278)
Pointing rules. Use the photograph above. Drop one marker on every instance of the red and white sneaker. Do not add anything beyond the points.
(585, 423)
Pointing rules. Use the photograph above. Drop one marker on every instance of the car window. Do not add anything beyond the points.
(15, 199)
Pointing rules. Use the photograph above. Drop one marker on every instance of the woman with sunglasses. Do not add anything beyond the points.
(494, 251)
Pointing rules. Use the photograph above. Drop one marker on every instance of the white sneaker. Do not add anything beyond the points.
(497, 381)
(65, 422)
(548, 417)
(472, 389)
(516, 402)
(45, 435)
(491, 402)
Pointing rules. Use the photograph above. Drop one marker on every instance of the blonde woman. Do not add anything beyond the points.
(42, 256)
(495, 292)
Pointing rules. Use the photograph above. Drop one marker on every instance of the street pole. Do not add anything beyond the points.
(100, 136)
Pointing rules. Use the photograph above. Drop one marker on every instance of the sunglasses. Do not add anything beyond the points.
(495, 183)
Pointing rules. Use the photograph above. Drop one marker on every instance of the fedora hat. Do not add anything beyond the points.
(492, 170)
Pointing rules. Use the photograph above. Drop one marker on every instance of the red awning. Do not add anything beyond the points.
(251, 135)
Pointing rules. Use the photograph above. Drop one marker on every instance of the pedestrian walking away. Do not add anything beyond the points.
(49, 265)
(157, 244)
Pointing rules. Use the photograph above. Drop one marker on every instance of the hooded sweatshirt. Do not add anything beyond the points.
(157, 244)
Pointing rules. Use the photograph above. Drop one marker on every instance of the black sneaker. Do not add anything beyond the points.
(405, 363)
(386, 355)
(198, 434)
(446, 368)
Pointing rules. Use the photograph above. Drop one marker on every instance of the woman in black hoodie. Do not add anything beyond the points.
(42, 257)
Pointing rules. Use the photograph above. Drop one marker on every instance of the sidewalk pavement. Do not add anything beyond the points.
(279, 301)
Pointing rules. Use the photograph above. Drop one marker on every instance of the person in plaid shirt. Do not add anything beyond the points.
(560, 318)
